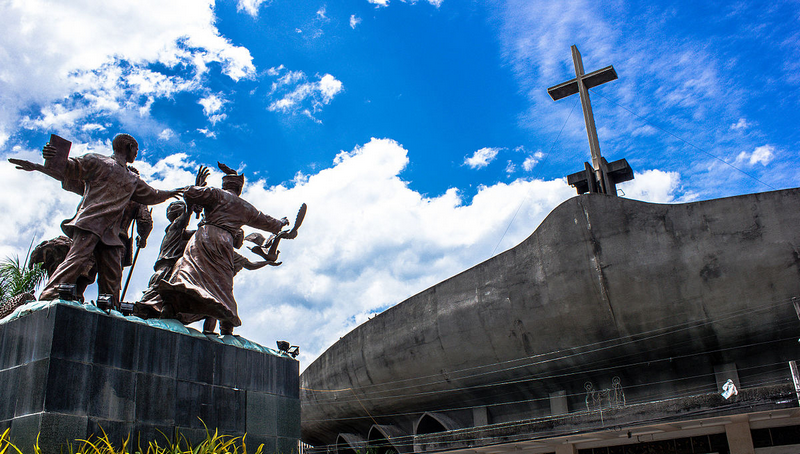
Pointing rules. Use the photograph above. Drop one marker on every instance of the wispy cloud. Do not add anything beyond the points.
(384, 3)
(293, 93)
(251, 6)
(741, 124)
(510, 167)
(207, 132)
(481, 158)
(531, 161)
(354, 21)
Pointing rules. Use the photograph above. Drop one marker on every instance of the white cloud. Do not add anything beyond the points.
(368, 240)
(531, 161)
(321, 13)
(208, 133)
(481, 158)
(329, 87)
(354, 21)
(741, 124)
(295, 94)
(212, 104)
(166, 134)
(95, 66)
(214, 119)
(761, 155)
(510, 167)
(384, 3)
(644, 131)
(92, 127)
(654, 186)
(251, 6)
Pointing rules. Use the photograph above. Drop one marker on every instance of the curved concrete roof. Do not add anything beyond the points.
(605, 287)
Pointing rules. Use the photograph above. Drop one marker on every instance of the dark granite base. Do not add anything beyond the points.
(65, 372)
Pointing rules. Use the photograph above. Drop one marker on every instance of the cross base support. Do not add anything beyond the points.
(603, 180)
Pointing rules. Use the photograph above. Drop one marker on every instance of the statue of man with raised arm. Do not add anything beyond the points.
(107, 185)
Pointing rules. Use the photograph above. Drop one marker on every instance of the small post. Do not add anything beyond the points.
(795, 379)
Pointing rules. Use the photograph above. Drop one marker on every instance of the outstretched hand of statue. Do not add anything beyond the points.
(177, 193)
(202, 175)
(24, 165)
(48, 152)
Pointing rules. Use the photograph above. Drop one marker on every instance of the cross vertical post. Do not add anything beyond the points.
(586, 104)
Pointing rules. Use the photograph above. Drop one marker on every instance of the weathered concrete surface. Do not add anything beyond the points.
(67, 373)
(657, 295)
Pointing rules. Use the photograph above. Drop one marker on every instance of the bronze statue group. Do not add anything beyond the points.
(194, 271)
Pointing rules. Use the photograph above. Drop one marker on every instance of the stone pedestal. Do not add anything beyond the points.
(66, 371)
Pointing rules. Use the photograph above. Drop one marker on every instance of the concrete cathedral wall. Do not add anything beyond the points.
(65, 372)
(606, 288)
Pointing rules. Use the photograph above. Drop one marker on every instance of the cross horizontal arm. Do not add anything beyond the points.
(590, 80)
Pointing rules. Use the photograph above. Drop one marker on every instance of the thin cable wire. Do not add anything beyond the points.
(525, 199)
(575, 351)
(597, 346)
(570, 374)
(683, 140)
(396, 441)
(685, 391)
(513, 424)
(562, 373)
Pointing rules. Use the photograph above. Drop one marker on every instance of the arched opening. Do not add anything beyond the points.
(350, 444)
(431, 423)
(427, 424)
(381, 439)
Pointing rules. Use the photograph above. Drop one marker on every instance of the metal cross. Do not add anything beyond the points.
(581, 84)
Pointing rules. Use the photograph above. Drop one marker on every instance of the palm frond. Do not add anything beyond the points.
(16, 278)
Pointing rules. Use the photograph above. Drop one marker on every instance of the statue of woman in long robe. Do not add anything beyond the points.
(201, 284)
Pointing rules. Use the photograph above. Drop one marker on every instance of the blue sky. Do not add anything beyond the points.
(420, 133)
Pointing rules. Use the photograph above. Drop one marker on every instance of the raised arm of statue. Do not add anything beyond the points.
(267, 223)
(147, 195)
(55, 154)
